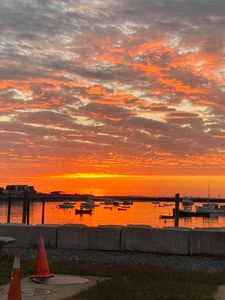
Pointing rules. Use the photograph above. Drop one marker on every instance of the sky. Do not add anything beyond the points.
(113, 97)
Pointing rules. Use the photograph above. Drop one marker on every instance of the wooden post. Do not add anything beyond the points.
(28, 210)
(176, 212)
(24, 216)
(9, 209)
(43, 212)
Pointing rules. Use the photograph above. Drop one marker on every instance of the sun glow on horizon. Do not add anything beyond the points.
(90, 175)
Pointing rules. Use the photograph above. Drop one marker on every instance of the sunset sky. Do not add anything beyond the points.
(113, 96)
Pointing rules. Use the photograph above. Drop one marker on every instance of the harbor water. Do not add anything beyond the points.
(139, 213)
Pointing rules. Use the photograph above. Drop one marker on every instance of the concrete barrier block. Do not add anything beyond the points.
(105, 237)
(83, 237)
(155, 240)
(73, 236)
(28, 235)
(207, 241)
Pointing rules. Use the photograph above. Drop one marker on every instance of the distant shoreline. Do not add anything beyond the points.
(62, 197)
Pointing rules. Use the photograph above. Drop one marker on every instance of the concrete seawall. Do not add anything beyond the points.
(181, 241)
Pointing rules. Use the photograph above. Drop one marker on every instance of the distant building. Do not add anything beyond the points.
(56, 192)
(19, 188)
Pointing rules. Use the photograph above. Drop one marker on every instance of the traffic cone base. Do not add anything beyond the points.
(42, 268)
(42, 275)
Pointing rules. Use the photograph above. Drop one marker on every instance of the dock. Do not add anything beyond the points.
(187, 214)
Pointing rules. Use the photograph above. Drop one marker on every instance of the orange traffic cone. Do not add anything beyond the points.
(15, 280)
(42, 268)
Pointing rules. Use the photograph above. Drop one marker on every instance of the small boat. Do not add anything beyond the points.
(107, 207)
(125, 206)
(166, 217)
(88, 204)
(127, 202)
(66, 204)
(187, 201)
(188, 214)
(108, 202)
(212, 208)
(155, 202)
(121, 208)
(82, 211)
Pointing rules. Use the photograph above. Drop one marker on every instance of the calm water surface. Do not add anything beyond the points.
(145, 213)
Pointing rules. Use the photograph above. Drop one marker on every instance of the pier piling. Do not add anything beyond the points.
(176, 212)
(24, 216)
(43, 212)
(9, 209)
(28, 210)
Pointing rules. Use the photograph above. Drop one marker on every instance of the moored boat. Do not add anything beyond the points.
(187, 201)
(108, 202)
(188, 214)
(66, 204)
(155, 202)
(125, 206)
(127, 202)
(89, 203)
(166, 217)
(116, 203)
(212, 208)
(108, 207)
(82, 211)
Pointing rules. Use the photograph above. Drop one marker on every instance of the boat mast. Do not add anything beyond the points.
(208, 191)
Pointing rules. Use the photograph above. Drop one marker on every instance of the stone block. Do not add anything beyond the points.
(28, 235)
(72, 236)
(105, 237)
(155, 240)
(83, 237)
(207, 241)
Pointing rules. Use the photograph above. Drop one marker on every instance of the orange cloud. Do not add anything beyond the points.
(96, 90)
(179, 86)
(112, 59)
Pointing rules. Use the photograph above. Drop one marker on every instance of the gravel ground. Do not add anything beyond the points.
(197, 263)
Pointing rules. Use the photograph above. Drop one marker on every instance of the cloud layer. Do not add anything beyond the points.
(124, 87)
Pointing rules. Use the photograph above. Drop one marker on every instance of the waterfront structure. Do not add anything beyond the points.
(19, 188)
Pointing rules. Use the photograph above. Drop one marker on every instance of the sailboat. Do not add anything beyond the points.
(212, 208)
(209, 207)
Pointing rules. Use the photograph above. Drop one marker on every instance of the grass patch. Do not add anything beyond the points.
(131, 281)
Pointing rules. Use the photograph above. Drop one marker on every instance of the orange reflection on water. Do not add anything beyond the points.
(140, 213)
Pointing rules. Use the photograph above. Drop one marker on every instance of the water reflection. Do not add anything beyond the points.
(144, 213)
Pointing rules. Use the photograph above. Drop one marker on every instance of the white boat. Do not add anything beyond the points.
(108, 202)
(89, 203)
(127, 202)
(187, 201)
(212, 208)
(66, 204)
(116, 202)
(155, 202)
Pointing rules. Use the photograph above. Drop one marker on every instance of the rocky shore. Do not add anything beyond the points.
(196, 263)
